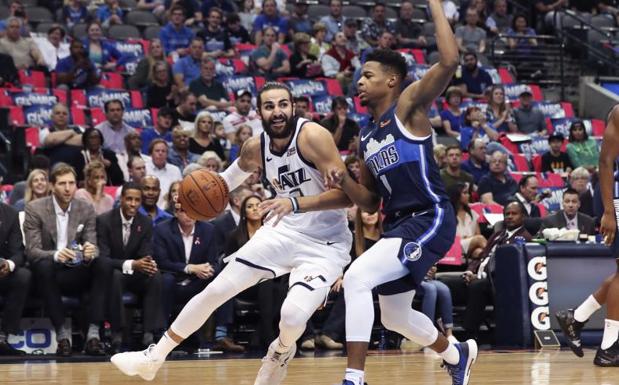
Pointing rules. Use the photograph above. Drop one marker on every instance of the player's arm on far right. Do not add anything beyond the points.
(249, 160)
(608, 156)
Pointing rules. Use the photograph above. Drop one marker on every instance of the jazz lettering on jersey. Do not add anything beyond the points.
(289, 180)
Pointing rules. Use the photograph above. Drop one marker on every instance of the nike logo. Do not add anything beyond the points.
(330, 243)
(364, 138)
(269, 159)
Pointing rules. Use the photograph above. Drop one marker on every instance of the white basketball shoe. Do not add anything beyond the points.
(274, 365)
(138, 363)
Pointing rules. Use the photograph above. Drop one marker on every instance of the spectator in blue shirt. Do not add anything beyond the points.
(16, 9)
(175, 36)
(497, 186)
(75, 12)
(110, 13)
(334, 21)
(151, 189)
(101, 52)
(187, 69)
(270, 18)
(476, 164)
(160, 131)
(76, 70)
(451, 117)
(216, 40)
(299, 20)
(476, 126)
(473, 79)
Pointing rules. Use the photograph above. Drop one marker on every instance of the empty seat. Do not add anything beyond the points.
(79, 30)
(354, 11)
(151, 32)
(128, 4)
(39, 14)
(141, 18)
(123, 31)
(317, 11)
(391, 13)
(4, 12)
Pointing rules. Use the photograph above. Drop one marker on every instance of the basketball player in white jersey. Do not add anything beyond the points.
(313, 246)
(572, 321)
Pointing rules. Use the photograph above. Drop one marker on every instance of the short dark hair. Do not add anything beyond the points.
(303, 99)
(60, 169)
(273, 86)
(525, 179)
(197, 38)
(378, 4)
(470, 53)
(523, 210)
(338, 101)
(453, 147)
(233, 18)
(391, 59)
(106, 105)
(155, 142)
(216, 9)
(130, 186)
(177, 8)
(570, 190)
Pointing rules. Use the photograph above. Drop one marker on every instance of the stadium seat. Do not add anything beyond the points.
(32, 137)
(537, 163)
(44, 26)
(317, 11)
(128, 4)
(123, 31)
(112, 80)
(39, 15)
(354, 12)
(110, 190)
(16, 116)
(141, 18)
(4, 12)
(391, 13)
(454, 255)
(79, 30)
(32, 78)
(151, 32)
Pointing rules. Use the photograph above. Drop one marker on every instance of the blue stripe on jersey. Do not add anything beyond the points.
(438, 220)
(424, 174)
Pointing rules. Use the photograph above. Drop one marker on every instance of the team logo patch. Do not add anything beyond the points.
(291, 151)
(412, 251)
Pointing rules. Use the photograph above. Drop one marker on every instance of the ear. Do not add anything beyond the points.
(392, 81)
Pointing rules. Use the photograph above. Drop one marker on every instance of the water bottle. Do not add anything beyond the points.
(79, 255)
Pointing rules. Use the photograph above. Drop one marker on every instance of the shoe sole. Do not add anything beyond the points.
(118, 362)
(278, 381)
(573, 347)
(470, 360)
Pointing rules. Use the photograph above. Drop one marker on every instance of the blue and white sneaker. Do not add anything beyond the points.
(461, 372)
(346, 382)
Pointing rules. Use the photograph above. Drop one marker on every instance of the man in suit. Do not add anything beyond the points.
(227, 222)
(61, 247)
(570, 218)
(527, 195)
(474, 287)
(125, 237)
(186, 252)
(14, 278)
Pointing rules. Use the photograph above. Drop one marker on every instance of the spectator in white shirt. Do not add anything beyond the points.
(158, 166)
(54, 47)
(244, 114)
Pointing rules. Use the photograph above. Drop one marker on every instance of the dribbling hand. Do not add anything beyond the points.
(608, 227)
(279, 207)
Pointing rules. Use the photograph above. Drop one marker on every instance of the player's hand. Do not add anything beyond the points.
(146, 265)
(334, 178)
(608, 227)
(278, 207)
(469, 276)
(4, 268)
(89, 251)
(337, 286)
(66, 255)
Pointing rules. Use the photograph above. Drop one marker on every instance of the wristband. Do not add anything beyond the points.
(295, 205)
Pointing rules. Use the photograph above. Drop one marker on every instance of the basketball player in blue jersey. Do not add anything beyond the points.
(572, 321)
(420, 224)
(305, 234)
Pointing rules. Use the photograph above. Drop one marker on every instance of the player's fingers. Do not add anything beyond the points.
(279, 217)
(268, 216)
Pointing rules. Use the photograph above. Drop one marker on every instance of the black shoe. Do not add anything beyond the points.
(64, 348)
(608, 357)
(571, 329)
(94, 347)
(8, 350)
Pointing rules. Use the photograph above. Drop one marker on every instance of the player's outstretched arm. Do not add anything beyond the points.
(608, 156)
(364, 194)
(421, 94)
(249, 160)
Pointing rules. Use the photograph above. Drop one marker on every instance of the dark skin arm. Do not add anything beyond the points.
(608, 155)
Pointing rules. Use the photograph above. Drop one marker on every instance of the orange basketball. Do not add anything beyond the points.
(203, 195)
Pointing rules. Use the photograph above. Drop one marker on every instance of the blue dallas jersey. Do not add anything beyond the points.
(403, 165)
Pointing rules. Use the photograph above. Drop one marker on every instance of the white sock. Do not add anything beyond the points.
(586, 309)
(451, 355)
(355, 376)
(165, 345)
(611, 331)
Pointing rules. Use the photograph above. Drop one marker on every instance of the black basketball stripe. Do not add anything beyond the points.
(223, 188)
(203, 194)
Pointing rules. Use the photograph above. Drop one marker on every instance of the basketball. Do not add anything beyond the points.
(203, 195)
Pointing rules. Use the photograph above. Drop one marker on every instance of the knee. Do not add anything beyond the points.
(354, 281)
(391, 320)
(156, 279)
(22, 277)
(168, 281)
(293, 317)
(102, 266)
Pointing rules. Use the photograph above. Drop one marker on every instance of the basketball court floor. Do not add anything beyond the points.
(392, 368)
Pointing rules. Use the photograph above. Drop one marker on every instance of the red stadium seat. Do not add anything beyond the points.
(598, 127)
(110, 190)
(537, 163)
(78, 115)
(32, 137)
(16, 116)
(97, 116)
(78, 98)
(454, 255)
(112, 80)
(481, 208)
(33, 78)
(333, 86)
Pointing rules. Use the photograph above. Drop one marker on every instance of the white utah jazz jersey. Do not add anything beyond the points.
(292, 176)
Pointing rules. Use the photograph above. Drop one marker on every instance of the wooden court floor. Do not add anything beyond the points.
(539, 368)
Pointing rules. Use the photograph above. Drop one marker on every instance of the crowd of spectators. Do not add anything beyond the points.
(97, 205)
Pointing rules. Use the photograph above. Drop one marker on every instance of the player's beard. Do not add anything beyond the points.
(288, 128)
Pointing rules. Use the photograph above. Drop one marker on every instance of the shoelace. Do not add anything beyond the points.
(453, 372)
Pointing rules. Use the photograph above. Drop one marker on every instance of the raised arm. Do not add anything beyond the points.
(249, 160)
(421, 94)
(608, 156)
